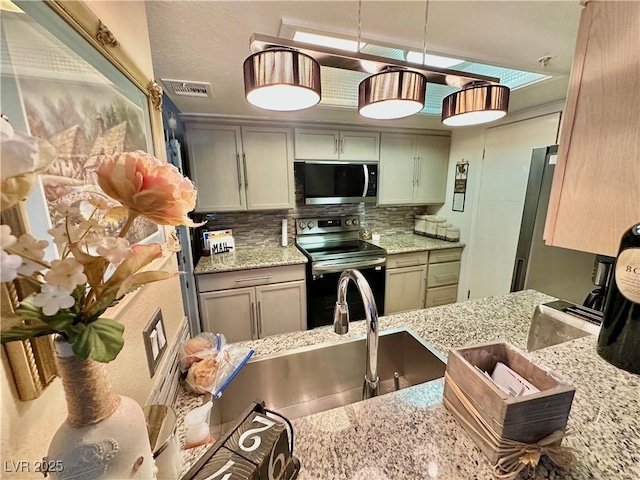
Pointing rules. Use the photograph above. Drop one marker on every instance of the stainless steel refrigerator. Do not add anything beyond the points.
(560, 272)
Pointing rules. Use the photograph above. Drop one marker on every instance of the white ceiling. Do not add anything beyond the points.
(209, 40)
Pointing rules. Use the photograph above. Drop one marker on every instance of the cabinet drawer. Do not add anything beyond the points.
(250, 278)
(407, 259)
(441, 296)
(446, 255)
(443, 274)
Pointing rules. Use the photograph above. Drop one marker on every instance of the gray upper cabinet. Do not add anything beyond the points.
(318, 144)
(413, 169)
(241, 168)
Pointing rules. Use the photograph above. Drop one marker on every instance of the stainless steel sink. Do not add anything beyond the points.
(559, 321)
(317, 378)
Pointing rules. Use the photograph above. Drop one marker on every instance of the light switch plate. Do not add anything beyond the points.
(152, 334)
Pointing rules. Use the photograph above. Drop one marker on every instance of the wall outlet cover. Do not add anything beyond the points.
(152, 333)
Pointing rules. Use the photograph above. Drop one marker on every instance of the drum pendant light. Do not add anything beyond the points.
(475, 104)
(282, 79)
(394, 93)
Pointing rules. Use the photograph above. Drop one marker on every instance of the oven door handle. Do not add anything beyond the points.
(339, 267)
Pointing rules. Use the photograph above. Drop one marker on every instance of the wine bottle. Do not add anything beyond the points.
(619, 340)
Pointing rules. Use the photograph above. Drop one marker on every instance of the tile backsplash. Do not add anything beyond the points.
(264, 227)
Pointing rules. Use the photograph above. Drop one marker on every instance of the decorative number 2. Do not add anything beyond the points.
(223, 469)
(255, 438)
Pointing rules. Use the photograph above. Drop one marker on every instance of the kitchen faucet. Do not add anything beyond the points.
(341, 325)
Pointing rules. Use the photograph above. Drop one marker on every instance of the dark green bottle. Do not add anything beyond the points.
(619, 340)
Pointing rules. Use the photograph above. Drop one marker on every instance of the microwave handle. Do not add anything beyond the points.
(366, 180)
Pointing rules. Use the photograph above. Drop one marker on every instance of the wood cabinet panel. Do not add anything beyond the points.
(281, 308)
(596, 185)
(313, 144)
(361, 146)
(397, 169)
(230, 312)
(441, 274)
(432, 163)
(405, 289)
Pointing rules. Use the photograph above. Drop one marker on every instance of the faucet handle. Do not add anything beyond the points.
(341, 318)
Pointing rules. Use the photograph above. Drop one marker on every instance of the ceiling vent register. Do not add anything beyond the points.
(188, 88)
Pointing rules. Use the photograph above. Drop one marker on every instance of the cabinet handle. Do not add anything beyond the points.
(453, 275)
(335, 148)
(251, 313)
(413, 260)
(239, 174)
(246, 178)
(450, 258)
(419, 169)
(442, 301)
(259, 320)
(342, 145)
(252, 279)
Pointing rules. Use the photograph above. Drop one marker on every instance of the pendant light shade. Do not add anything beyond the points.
(282, 79)
(475, 104)
(394, 93)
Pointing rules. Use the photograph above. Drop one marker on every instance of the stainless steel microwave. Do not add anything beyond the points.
(327, 183)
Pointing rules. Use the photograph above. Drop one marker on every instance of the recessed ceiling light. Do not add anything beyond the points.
(327, 41)
(433, 60)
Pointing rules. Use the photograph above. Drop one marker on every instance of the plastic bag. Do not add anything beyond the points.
(199, 347)
(215, 371)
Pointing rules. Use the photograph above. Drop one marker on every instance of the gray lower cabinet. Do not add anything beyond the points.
(405, 289)
(252, 304)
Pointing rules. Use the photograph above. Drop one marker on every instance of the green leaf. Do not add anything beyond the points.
(100, 306)
(24, 332)
(101, 340)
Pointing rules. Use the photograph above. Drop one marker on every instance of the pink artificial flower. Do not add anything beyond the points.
(116, 250)
(149, 187)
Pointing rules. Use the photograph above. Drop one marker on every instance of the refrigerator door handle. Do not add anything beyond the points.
(516, 283)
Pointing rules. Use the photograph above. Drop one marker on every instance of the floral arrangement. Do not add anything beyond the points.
(94, 271)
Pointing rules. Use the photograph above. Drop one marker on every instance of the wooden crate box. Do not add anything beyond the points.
(525, 419)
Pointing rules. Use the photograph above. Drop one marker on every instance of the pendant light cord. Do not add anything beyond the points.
(359, 23)
(424, 38)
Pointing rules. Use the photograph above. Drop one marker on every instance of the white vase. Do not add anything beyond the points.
(105, 435)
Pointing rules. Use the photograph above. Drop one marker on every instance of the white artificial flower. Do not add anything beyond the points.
(116, 250)
(9, 265)
(52, 298)
(60, 237)
(87, 209)
(66, 274)
(6, 239)
(67, 210)
(29, 246)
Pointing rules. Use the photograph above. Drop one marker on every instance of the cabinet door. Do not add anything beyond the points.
(316, 144)
(432, 164)
(268, 157)
(596, 184)
(364, 146)
(282, 308)
(397, 169)
(214, 159)
(230, 312)
(405, 289)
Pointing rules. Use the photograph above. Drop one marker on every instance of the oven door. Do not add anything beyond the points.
(334, 183)
(322, 290)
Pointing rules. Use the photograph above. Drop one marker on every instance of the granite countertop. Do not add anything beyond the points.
(409, 242)
(248, 257)
(410, 435)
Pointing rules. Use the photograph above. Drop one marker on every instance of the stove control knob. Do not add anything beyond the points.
(356, 221)
(347, 223)
(302, 225)
(310, 225)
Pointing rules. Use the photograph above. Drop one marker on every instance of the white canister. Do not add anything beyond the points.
(442, 230)
(431, 225)
(161, 424)
(420, 224)
(453, 234)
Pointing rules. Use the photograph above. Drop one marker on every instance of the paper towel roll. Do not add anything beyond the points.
(285, 236)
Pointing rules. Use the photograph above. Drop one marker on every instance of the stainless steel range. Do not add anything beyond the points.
(332, 245)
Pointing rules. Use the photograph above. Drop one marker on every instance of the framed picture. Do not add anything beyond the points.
(66, 79)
